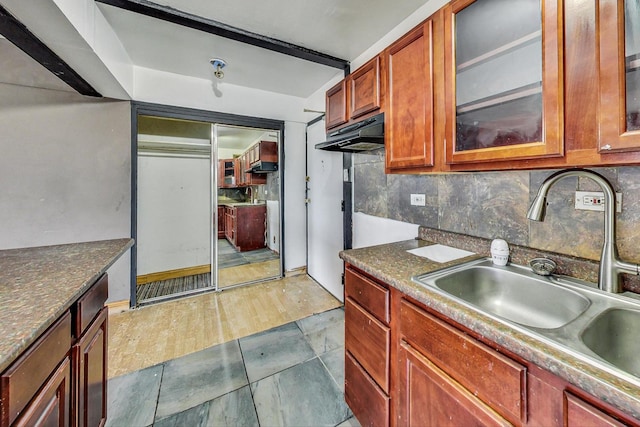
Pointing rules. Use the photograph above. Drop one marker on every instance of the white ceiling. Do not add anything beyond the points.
(340, 28)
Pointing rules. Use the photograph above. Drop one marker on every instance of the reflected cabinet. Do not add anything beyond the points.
(502, 80)
(619, 75)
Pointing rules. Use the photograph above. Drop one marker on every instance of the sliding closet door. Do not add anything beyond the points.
(175, 197)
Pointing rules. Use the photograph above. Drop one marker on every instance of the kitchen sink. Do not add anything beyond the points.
(613, 335)
(513, 294)
(567, 313)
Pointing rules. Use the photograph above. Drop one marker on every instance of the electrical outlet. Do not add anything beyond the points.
(418, 200)
(594, 201)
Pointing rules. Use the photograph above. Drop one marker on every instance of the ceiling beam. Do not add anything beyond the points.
(210, 26)
(14, 31)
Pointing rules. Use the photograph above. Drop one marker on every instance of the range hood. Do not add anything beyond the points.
(262, 167)
(365, 135)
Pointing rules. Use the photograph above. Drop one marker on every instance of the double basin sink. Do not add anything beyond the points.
(569, 312)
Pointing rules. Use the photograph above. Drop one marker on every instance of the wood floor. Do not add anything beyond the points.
(156, 333)
(231, 276)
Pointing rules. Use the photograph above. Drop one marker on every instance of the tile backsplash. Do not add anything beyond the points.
(494, 205)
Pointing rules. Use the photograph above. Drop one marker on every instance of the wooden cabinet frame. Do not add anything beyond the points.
(552, 144)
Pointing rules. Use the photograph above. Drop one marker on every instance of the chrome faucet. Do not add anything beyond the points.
(610, 264)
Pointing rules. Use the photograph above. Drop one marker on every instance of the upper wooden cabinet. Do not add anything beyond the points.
(503, 74)
(409, 125)
(619, 39)
(364, 89)
(336, 105)
(357, 95)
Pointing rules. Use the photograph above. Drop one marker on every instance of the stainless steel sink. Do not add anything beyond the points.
(513, 294)
(566, 313)
(614, 336)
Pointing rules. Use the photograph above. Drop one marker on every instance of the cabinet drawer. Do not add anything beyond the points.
(368, 402)
(20, 382)
(580, 413)
(90, 304)
(368, 340)
(491, 376)
(373, 297)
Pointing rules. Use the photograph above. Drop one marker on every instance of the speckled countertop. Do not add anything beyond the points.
(393, 265)
(38, 284)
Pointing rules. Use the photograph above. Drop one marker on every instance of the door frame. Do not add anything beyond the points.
(212, 117)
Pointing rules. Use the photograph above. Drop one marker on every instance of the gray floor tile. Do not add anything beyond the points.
(324, 331)
(303, 395)
(351, 422)
(233, 409)
(199, 377)
(334, 361)
(274, 350)
(132, 398)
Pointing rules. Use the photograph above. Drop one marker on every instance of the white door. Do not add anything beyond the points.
(324, 213)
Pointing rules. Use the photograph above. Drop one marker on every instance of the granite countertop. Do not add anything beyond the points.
(37, 285)
(391, 264)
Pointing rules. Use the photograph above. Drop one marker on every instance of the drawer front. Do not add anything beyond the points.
(373, 297)
(367, 401)
(90, 304)
(23, 378)
(491, 376)
(368, 340)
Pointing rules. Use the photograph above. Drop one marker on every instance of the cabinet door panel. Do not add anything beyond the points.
(365, 89)
(336, 105)
(503, 63)
(51, 406)
(368, 402)
(92, 373)
(428, 397)
(579, 413)
(492, 377)
(619, 38)
(369, 341)
(409, 128)
(21, 381)
(373, 297)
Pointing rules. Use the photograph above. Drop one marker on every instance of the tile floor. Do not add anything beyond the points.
(291, 375)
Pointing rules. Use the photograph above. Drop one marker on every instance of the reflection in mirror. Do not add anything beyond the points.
(173, 208)
(248, 205)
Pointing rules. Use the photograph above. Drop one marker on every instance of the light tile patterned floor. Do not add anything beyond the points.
(291, 375)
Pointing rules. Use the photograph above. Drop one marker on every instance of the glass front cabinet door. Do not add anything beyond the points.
(619, 34)
(503, 88)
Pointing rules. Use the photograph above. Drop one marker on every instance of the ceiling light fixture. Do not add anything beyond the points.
(218, 64)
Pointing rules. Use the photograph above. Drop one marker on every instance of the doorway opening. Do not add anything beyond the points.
(207, 202)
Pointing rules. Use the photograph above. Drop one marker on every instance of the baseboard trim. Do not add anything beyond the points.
(172, 274)
(296, 271)
(118, 306)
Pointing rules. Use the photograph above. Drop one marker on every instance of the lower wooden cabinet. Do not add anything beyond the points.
(429, 397)
(422, 369)
(91, 356)
(61, 379)
(245, 226)
(51, 405)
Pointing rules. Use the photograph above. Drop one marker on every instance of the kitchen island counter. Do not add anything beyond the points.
(392, 264)
(37, 285)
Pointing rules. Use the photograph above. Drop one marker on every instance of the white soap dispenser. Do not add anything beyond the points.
(499, 252)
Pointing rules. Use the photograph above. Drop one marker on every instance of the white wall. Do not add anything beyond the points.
(372, 230)
(64, 172)
(174, 213)
(295, 217)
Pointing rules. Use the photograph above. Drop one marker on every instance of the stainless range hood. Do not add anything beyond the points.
(365, 135)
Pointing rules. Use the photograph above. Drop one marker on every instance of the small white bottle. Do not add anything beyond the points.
(499, 252)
